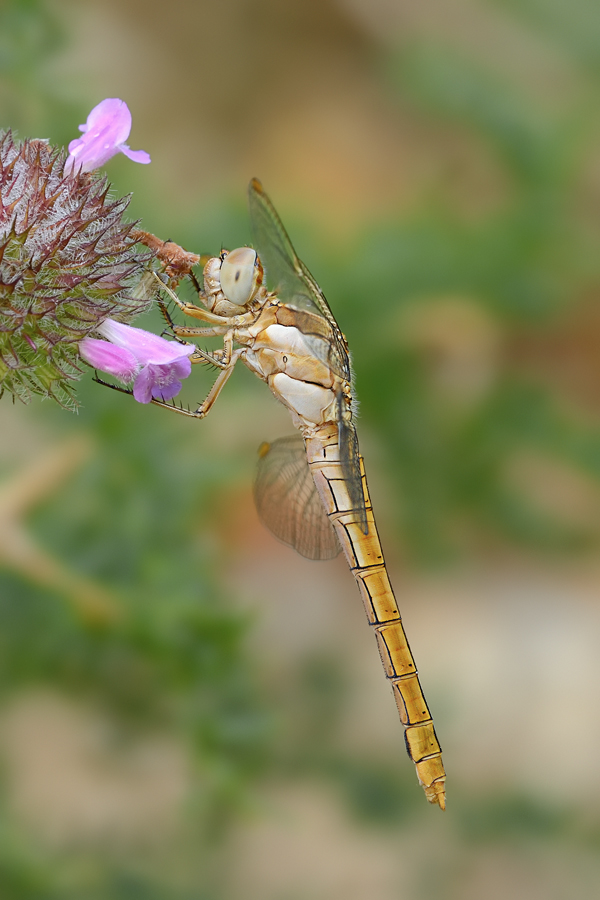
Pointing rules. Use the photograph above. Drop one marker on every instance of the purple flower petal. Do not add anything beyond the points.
(158, 382)
(117, 361)
(166, 390)
(112, 113)
(142, 387)
(138, 156)
(147, 347)
(104, 135)
(182, 367)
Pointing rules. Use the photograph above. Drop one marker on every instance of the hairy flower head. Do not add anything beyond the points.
(68, 261)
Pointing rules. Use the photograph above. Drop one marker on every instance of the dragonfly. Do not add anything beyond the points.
(311, 489)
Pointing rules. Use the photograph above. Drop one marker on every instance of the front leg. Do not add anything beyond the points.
(221, 381)
(181, 331)
(220, 358)
(198, 312)
(201, 411)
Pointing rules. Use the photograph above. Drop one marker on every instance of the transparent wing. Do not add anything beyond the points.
(289, 278)
(287, 500)
(350, 462)
(294, 286)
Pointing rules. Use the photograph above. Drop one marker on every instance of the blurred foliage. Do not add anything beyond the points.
(30, 36)
(170, 659)
(135, 517)
(524, 264)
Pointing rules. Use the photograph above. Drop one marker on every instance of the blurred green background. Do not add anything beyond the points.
(190, 711)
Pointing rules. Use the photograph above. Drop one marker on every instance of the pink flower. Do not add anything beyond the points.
(104, 135)
(156, 366)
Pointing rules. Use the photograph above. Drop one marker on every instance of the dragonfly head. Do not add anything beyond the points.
(241, 275)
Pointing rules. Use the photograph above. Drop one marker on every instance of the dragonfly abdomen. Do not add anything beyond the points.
(365, 558)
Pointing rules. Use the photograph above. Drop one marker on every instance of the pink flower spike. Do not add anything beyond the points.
(156, 366)
(104, 135)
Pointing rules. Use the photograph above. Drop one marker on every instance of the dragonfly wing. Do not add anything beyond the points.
(276, 252)
(290, 280)
(350, 463)
(287, 500)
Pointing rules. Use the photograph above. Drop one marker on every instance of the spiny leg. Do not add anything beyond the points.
(193, 278)
(203, 409)
(222, 378)
(204, 356)
(197, 312)
(180, 331)
(220, 357)
(113, 387)
(190, 331)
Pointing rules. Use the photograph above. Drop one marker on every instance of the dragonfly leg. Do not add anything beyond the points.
(201, 411)
(198, 312)
(204, 408)
(113, 387)
(186, 330)
(195, 312)
(220, 358)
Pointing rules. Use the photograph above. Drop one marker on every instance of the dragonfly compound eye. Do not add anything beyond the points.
(239, 275)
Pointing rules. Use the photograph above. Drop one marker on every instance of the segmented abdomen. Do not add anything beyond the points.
(365, 558)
